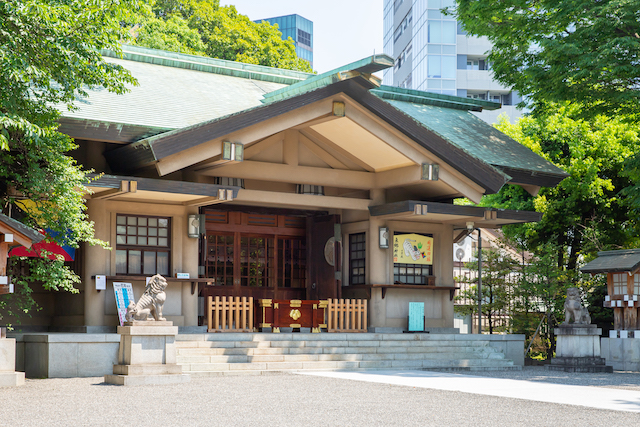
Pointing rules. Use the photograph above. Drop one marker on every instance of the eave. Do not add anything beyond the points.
(456, 215)
(129, 188)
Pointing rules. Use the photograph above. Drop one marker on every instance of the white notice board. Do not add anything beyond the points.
(124, 295)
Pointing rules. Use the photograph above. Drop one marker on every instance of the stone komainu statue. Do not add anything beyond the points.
(151, 301)
(573, 309)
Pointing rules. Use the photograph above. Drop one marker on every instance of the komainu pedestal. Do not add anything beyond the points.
(147, 354)
(578, 349)
(8, 374)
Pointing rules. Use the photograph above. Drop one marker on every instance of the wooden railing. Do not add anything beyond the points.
(229, 314)
(347, 315)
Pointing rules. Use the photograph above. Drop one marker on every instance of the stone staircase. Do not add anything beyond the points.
(259, 353)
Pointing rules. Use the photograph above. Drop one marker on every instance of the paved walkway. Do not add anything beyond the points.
(328, 399)
(580, 395)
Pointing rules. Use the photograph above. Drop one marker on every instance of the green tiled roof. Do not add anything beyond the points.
(210, 65)
(625, 260)
(368, 65)
(473, 135)
(177, 90)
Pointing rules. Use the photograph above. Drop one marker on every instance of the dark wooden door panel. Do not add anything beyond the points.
(321, 257)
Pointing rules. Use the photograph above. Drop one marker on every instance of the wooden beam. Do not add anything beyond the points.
(290, 148)
(399, 177)
(301, 201)
(125, 187)
(262, 145)
(322, 154)
(318, 138)
(223, 196)
(295, 174)
(246, 136)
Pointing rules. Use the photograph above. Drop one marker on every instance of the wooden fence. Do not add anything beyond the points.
(347, 315)
(229, 314)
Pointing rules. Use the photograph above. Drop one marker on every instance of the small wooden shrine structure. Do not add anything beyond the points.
(623, 285)
(12, 233)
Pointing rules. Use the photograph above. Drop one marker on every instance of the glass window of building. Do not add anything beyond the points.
(357, 258)
(619, 283)
(143, 245)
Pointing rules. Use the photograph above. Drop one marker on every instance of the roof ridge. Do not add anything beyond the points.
(437, 99)
(367, 65)
(209, 65)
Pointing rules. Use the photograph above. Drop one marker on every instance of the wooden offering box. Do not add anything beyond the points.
(276, 314)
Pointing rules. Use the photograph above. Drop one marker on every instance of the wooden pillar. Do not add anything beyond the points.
(630, 317)
(618, 318)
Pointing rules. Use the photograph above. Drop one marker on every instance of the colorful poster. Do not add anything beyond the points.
(412, 249)
(124, 295)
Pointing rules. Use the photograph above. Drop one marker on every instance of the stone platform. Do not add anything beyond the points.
(8, 374)
(578, 349)
(147, 355)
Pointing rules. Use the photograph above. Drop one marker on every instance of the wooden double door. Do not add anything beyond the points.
(266, 255)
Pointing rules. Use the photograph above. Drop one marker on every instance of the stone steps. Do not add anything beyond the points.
(260, 353)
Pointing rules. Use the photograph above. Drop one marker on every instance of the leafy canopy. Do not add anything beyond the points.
(50, 56)
(202, 27)
(550, 50)
(588, 211)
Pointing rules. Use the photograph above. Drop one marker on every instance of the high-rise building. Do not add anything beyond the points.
(433, 53)
(300, 30)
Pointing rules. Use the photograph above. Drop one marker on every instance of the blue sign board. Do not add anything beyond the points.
(416, 317)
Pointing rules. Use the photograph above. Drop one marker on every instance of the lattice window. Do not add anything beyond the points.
(636, 284)
(357, 258)
(143, 245)
(219, 259)
(292, 260)
(620, 283)
(256, 261)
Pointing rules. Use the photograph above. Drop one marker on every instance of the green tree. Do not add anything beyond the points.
(549, 50)
(50, 56)
(205, 28)
(495, 287)
(588, 211)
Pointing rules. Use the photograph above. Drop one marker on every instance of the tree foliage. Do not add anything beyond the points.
(549, 50)
(50, 56)
(205, 28)
(495, 287)
(591, 209)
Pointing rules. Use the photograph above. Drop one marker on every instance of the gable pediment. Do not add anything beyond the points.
(363, 136)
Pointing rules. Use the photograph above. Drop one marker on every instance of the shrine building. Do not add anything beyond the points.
(238, 180)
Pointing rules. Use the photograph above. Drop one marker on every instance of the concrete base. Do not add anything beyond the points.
(11, 379)
(59, 355)
(579, 364)
(147, 355)
(578, 350)
(132, 380)
(8, 374)
(578, 341)
(622, 353)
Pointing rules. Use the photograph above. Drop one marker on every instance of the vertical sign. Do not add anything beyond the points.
(124, 295)
(416, 317)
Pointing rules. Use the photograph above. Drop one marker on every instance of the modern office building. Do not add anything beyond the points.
(300, 30)
(433, 53)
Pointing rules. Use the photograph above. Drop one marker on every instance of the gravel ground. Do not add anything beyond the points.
(291, 400)
(619, 379)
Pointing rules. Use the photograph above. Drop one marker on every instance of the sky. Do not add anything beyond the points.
(344, 31)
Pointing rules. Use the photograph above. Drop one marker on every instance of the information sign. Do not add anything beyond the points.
(124, 295)
(416, 316)
(412, 249)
